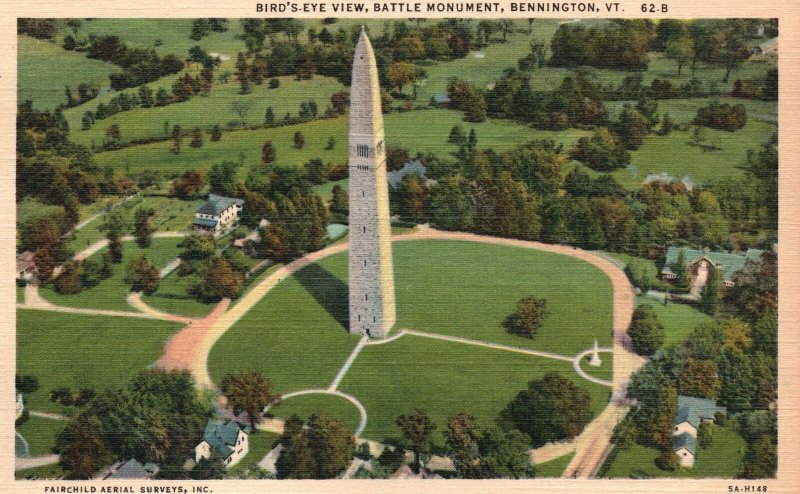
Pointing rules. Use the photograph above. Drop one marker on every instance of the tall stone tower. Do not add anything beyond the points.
(372, 309)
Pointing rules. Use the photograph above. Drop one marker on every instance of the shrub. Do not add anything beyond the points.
(528, 317)
(721, 116)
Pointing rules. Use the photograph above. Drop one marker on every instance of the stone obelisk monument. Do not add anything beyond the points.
(372, 308)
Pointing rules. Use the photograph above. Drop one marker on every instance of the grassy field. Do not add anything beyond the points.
(45, 472)
(306, 405)
(30, 209)
(206, 111)
(259, 444)
(40, 434)
(172, 214)
(723, 459)
(173, 297)
(604, 371)
(445, 378)
(111, 293)
(44, 68)
(482, 284)
(553, 468)
(78, 350)
(678, 319)
(402, 129)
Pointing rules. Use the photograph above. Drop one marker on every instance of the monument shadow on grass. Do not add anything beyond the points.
(327, 289)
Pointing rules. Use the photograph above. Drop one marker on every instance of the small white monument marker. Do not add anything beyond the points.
(595, 360)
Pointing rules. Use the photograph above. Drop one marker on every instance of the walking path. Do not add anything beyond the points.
(47, 415)
(135, 301)
(34, 461)
(576, 364)
(97, 215)
(486, 344)
(26, 453)
(181, 350)
(340, 375)
(361, 410)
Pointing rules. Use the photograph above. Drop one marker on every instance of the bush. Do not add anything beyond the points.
(646, 332)
(528, 317)
(668, 460)
(705, 435)
(642, 274)
(721, 116)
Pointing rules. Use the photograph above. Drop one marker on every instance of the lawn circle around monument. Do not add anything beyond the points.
(448, 352)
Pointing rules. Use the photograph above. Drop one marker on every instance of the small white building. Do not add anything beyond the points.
(226, 438)
(217, 214)
(691, 413)
(20, 407)
(26, 266)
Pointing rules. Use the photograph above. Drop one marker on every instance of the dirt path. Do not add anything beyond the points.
(34, 461)
(135, 300)
(182, 349)
(551, 451)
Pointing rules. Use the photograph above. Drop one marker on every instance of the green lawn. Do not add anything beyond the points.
(44, 68)
(45, 472)
(111, 293)
(30, 209)
(173, 297)
(306, 405)
(259, 444)
(40, 434)
(604, 371)
(723, 459)
(289, 336)
(20, 294)
(553, 468)
(77, 350)
(207, 111)
(482, 283)
(678, 319)
(402, 129)
(445, 378)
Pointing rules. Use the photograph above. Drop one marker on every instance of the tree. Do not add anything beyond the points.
(705, 435)
(143, 230)
(116, 224)
(198, 247)
(461, 439)
(417, 429)
(146, 99)
(339, 200)
(601, 152)
(249, 392)
(95, 270)
(189, 184)
(681, 271)
(82, 449)
(222, 178)
(269, 117)
(681, 50)
(197, 138)
(69, 282)
(211, 468)
(736, 375)
(646, 332)
(699, 378)
(528, 316)
(216, 133)
(115, 249)
(177, 139)
(550, 409)
(220, 280)
(26, 383)
(322, 450)
(299, 140)
(504, 454)
(457, 135)
(400, 74)
(241, 108)
(267, 153)
(761, 459)
(711, 294)
(631, 128)
(143, 276)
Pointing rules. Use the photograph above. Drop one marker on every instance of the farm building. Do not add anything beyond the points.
(691, 413)
(217, 214)
(226, 438)
(700, 264)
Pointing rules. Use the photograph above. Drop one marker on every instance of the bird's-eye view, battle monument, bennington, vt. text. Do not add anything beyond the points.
(396, 249)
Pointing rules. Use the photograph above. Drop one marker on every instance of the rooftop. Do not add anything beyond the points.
(729, 263)
(221, 436)
(685, 440)
(694, 410)
(132, 469)
(215, 204)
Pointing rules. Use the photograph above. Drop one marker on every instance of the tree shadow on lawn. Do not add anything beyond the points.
(331, 292)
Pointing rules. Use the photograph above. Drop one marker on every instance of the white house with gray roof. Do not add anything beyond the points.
(217, 214)
(227, 439)
(692, 412)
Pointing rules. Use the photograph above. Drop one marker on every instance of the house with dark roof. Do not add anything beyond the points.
(692, 412)
(26, 266)
(226, 439)
(133, 470)
(700, 264)
(217, 214)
